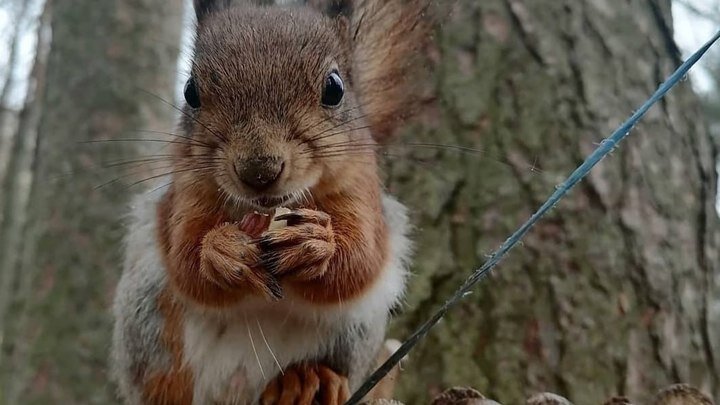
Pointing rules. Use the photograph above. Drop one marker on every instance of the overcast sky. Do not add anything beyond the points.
(691, 32)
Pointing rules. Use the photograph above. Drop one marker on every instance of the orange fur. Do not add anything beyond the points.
(303, 384)
(211, 261)
(360, 240)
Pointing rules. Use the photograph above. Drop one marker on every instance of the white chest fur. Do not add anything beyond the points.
(234, 356)
(235, 353)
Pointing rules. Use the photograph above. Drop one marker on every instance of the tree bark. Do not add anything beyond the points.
(104, 60)
(617, 290)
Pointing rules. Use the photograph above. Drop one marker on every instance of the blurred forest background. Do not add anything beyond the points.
(616, 292)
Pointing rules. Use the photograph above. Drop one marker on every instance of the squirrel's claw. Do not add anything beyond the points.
(305, 260)
(231, 261)
(303, 216)
(301, 249)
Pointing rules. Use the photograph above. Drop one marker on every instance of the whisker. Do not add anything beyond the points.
(166, 141)
(159, 187)
(307, 196)
(186, 137)
(469, 150)
(352, 145)
(140, 162)
(326, 119)
(157, 158)
(349, 152)
(188, 115)
(171, 158)
(252, 343)
(128, 175)
(416, 162)
(440, 146)
(268, 347)
(359, 144)
(199, 170)
(320, 136)
(344, 131)
(356, 143)
(225, 196)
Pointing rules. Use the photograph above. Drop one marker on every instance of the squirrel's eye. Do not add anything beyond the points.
(333, 91)
(192, 96)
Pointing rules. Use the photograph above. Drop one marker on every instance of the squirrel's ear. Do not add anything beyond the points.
(341, 12)
(205, 7)
(333, 8)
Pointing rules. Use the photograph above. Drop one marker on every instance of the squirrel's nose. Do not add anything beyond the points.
(259, 172)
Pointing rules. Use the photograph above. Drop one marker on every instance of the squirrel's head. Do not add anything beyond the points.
(274, 102)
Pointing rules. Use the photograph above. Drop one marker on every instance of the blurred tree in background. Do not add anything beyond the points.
(616, 292)
(93, 84)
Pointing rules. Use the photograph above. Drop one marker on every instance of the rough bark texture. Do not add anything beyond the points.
(103, 59)
(617, 290)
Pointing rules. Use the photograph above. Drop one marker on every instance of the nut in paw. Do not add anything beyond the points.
(302, 249)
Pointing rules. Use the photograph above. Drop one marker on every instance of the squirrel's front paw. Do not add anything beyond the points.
(231, 260)
(302, 249)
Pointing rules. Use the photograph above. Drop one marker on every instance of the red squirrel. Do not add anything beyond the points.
(222, 301)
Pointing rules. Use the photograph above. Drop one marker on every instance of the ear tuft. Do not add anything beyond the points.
(333, 8)
(389, 38)
(386, 39)
(205, 7)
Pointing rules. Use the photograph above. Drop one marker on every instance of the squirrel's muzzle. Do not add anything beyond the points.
(259, 172)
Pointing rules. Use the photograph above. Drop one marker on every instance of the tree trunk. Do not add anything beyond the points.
(16, 186)
(8, 138)
(104, 60)
(617, 291)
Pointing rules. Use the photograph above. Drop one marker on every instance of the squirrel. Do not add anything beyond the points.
(224, 299)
